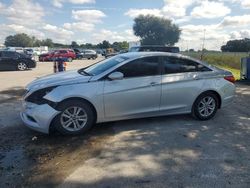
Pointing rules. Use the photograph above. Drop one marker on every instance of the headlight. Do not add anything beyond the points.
(37, 96)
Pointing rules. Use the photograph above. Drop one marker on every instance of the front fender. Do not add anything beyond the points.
(90, 91)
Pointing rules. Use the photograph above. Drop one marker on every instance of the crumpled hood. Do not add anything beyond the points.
(62, 78)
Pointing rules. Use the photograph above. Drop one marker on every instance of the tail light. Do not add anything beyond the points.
(230, 78)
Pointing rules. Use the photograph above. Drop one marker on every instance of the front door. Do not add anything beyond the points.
(137, 93)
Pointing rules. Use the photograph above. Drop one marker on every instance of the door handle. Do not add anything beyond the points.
(153, 83)
(196, 78)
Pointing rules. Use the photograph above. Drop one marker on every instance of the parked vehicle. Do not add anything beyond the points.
(154, 48)
(46, 56)
(11, 60)
(115, 53)
(68, 54)
(87, 54)
(126, 86)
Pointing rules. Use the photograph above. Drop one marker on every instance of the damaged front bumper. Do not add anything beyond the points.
(38, 117)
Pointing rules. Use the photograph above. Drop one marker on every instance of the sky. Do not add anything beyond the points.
(92, 21)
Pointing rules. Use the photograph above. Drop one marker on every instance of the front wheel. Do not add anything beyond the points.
(205, 106)
(21, 66)
(70, 59)
(76, 117)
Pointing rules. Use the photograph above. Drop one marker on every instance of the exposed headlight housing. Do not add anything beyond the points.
(37, 96)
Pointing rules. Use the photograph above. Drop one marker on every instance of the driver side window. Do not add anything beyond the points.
(147, 66)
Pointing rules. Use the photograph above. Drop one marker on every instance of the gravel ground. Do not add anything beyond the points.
(174, 151)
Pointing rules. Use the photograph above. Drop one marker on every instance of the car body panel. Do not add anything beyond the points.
(38, 117)
(124, 97)
(129, 98)
(179, 91)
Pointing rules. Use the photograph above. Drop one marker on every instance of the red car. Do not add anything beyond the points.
(67, 54)
(46, 56)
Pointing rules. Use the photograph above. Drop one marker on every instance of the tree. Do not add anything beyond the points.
(120, 45)
(242, 45)
(156, 31)
(19, 40)
(47, 42)
(104, 45)
(74, 44)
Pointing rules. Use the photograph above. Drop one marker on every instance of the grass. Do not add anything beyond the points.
(227, 61)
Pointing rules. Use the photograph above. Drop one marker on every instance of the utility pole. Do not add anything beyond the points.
(203, 44)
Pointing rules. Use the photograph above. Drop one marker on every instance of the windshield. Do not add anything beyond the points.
(104, 65)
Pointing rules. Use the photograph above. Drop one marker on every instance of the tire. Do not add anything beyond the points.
(70, 59)
(21, 66)
(68, 108)
(205, 106)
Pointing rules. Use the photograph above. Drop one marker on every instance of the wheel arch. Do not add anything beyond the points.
(213, 92)
(51, 128)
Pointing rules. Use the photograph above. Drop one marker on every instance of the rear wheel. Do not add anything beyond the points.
(76, 117)
(205, 106)
(21, 66)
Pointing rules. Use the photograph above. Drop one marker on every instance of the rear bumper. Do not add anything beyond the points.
(228, 94)
(38, 117)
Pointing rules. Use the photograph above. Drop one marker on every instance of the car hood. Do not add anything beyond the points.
(62, 78)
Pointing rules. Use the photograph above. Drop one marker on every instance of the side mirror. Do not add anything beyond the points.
(116, 76)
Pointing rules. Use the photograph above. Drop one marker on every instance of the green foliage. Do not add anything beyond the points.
(120, 45)
(18, 40)
(104, 45)
(156, 31)
(242, 45)
(74, 44)
(224, 60)
(47, 42)
(23, 40)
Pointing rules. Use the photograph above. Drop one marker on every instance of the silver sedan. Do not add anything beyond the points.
(126, 86)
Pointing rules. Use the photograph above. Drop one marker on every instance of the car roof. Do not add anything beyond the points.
(132, 55)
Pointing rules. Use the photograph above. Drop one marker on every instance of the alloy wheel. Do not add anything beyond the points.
(74, 118)
(207, 106)
(22, 66)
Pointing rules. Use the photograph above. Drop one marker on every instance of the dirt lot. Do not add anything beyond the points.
(174, 151)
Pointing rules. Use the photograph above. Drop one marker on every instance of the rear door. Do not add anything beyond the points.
(137, 93)
(180, 84)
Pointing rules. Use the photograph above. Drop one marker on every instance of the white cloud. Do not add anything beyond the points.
(11, 29)
(58, 34)
(59, 3)
(23, 12)
(193, 35)
(171, 8)
(79, 26)
(85, 20)
(88, 16)
(175, 8)
(245, 3)
(136, 12)
(236, 21)
(240, 34)
(113, 36)
(210, 9)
